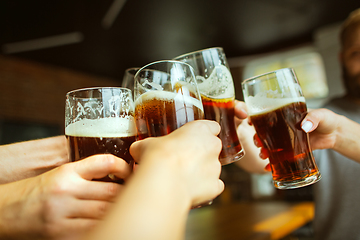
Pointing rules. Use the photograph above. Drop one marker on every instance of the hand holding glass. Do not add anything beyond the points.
(218, 97)
(276, 107)
(166, 97)
(99, 121)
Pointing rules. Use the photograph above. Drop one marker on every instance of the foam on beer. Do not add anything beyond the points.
(103, 127)
(260, 104)
(218, 85)
(168, 96)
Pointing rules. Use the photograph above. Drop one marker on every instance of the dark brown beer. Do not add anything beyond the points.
(222, 111)
(289, 151)
(158, 113)
(84, 139)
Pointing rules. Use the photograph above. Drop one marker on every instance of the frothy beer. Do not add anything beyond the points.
(222, 111)
(278, 127)
(159, 113)
(99, 136)
(220, 108)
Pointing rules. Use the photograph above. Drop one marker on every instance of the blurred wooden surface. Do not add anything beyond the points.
(35, 92)
(248, 220)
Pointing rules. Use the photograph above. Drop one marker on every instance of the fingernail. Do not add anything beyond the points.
(244, 111)
(256, 142)
(307, 126)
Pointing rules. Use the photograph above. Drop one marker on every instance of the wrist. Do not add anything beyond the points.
(19, 209)
(341, 131)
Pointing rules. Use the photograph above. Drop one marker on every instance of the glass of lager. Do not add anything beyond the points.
(276, 107)
(99, 121)
(218, 97)
(166, 97)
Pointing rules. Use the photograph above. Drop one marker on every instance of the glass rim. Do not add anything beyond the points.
(163, 61)
(70, 93)
(132, 68)
(198, 51)
(264, 74)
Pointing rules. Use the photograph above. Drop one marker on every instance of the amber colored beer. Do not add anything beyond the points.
(84, 139)
(158, 113)
(222, 111)
(289, 151)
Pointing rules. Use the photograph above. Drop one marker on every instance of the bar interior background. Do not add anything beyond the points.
(50, 47)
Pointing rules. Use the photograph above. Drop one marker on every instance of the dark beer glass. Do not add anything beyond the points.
(99, 121)
(276, 107)
(166, 97)
(218, 97)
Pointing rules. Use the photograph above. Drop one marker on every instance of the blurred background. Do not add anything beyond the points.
(51, 47)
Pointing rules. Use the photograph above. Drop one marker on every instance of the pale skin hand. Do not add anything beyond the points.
(31, 158)
(61, 203)
(176, 172)
(251, 162)
(330, 130)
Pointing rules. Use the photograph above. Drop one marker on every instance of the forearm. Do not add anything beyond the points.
(31, 158)
(159, 214)
(348, 138)
(19, 211)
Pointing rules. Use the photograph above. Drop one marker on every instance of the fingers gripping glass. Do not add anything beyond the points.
(166, 97)
(99, 121)
(276, 107)
(218, 97)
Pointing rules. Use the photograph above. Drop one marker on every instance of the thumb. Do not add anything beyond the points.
(240, 109)
(322, 119)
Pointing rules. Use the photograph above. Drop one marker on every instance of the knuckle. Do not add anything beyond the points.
(200, 125)
(217, 168)
(216, 144)
(59, 188)
(112, 189)
(106, 161)
(102, 209)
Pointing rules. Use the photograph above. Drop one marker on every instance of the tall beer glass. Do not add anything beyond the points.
(218, 97)
(99, 121)
(166, 97)
(276, 107)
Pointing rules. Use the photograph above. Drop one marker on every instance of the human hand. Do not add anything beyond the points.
(322, 125)
(188, 157)
(61, 203)
(240, 112)
(251, 162)
(329, 130)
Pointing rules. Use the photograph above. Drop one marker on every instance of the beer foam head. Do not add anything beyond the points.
(261, 104)
(218, 85)
(103, 127)
(168, 96)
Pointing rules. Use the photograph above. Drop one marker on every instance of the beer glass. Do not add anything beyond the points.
(166, 97)
(276, 107)
(99, 121)
(128, 78)
(218, 97)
